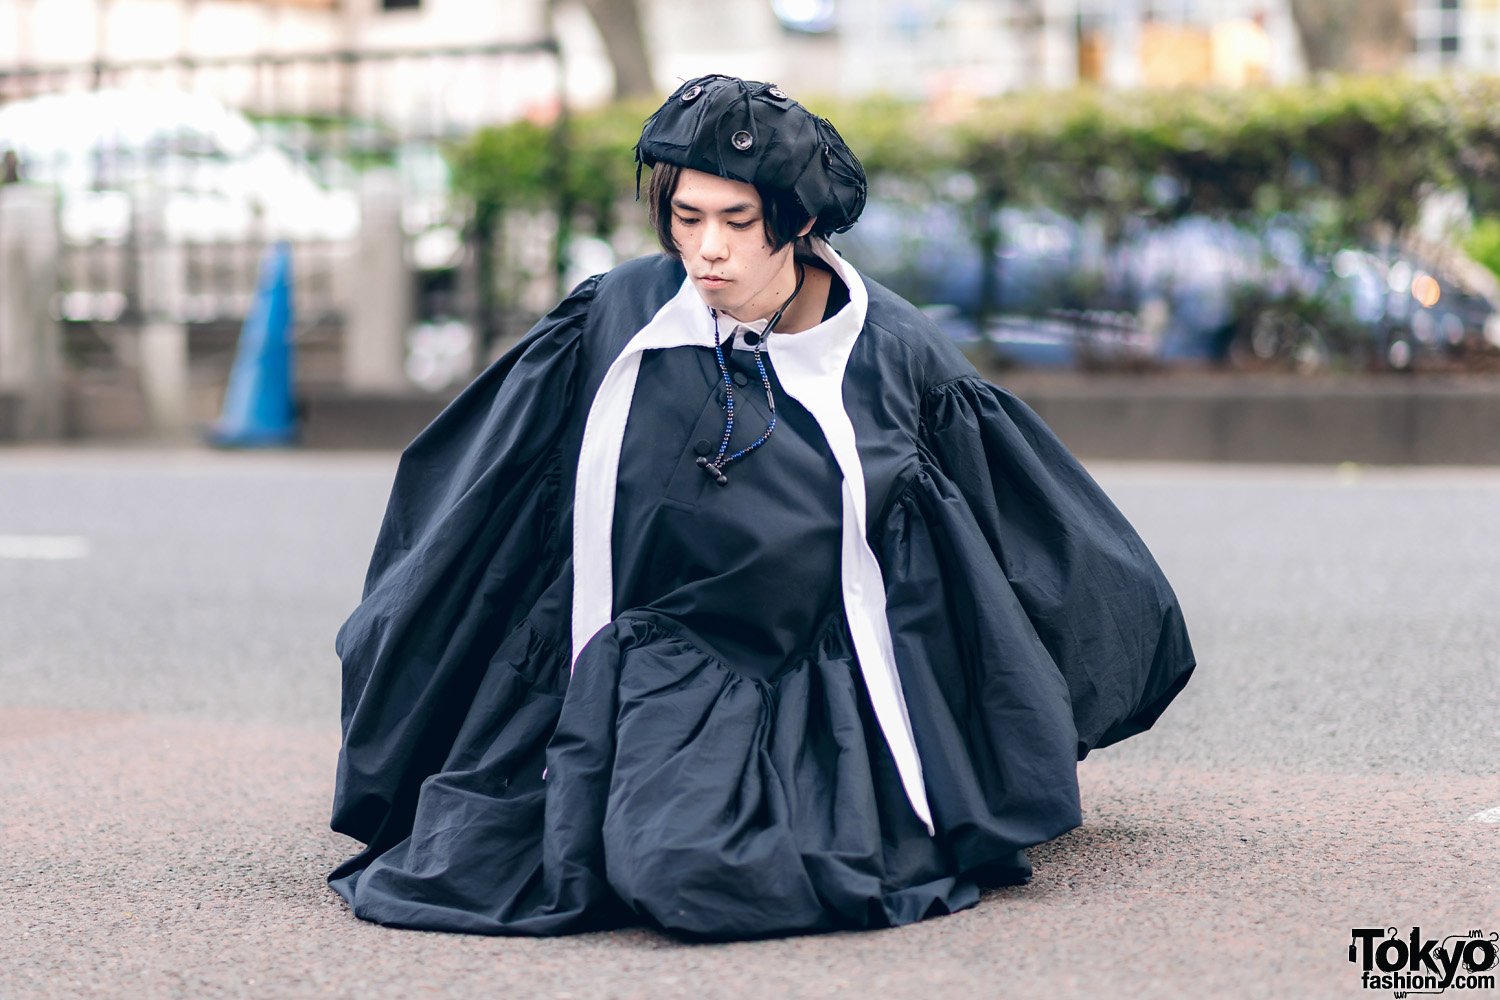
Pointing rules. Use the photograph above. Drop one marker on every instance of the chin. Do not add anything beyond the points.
(718, 297)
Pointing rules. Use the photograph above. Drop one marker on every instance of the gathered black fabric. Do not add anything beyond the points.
(711, 765)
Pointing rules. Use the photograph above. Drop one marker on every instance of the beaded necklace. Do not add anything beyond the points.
(714, 468)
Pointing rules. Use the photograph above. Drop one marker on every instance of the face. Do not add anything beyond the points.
(721, 235)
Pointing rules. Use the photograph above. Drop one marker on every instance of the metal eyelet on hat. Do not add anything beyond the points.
(742, 140)
(692, 93)
(776, 92)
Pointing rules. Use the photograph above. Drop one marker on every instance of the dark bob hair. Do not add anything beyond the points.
(781, 212)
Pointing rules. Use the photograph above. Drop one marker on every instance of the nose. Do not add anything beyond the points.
(714, 246)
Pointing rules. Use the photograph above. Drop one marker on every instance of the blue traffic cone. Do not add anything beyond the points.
(258, 407)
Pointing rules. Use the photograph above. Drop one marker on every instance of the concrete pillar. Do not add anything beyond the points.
(31, 367)
(380, 295)
(164, 378)
(1059, 44)
(1124, 63)
(163, 346)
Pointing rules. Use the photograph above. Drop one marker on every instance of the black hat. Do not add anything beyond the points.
(752, 132)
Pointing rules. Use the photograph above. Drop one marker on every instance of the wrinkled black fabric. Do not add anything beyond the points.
(750, 131)
(712, 765)
(752, 567)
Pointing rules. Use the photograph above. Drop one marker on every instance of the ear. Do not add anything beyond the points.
(807, 228)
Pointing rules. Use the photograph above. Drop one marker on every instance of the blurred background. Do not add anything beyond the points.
(1181, 230)
(1189, 190)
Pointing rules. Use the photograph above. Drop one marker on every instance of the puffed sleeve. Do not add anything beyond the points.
(473, 534)
(1007, 490)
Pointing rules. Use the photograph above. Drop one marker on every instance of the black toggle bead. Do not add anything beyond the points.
(702, 461)
(723, 480)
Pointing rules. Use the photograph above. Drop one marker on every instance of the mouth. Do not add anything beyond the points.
(712, 280)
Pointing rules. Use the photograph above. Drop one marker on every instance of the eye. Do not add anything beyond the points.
(683, 220)
(741, 226)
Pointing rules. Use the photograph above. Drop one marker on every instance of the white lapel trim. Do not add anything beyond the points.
(811, 367)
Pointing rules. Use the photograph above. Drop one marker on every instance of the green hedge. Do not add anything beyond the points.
(1483, 243)
(1352, 156)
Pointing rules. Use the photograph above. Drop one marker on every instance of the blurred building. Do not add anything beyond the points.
(290, 56)
(946, 49)
(43, 32)
(1456, 35)
(935, 49)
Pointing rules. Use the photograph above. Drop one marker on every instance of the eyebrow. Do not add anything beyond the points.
(744, 206)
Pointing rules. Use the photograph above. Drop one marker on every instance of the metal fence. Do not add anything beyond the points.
(174, 175)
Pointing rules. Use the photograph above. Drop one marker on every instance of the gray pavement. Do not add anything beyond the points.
(168, 722)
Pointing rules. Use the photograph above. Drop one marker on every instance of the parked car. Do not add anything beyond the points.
(1198, 290)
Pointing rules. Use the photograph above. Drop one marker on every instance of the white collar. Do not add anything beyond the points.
(686, 320)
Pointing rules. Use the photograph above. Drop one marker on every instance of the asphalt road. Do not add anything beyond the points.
(168, 723)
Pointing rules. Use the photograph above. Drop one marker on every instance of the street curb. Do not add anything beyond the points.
(1379, 421)
(338, 418)
(1193, 417)
(10, 415)
(1434, 420)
